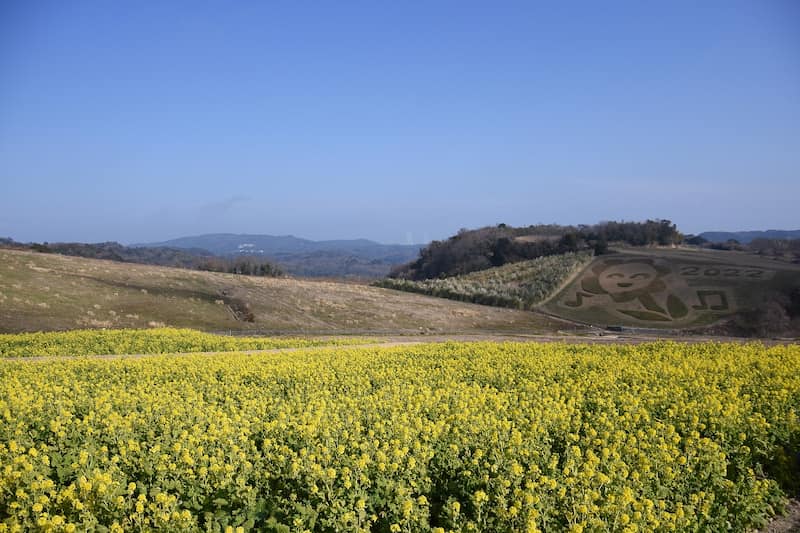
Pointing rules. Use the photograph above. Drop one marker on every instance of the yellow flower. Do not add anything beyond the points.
(623, 423)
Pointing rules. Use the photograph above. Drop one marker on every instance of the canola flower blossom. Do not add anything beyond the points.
(437, 437)
(145, 341)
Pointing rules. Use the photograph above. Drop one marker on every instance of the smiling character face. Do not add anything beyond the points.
(627, 277)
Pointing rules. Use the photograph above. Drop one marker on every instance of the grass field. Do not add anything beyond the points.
(670, 288)
(53, 292)
(436, 437)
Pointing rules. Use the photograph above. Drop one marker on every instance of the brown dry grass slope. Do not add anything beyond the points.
(49, 292)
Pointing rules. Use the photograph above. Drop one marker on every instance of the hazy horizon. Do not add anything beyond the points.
(343, 238)
(399, 123)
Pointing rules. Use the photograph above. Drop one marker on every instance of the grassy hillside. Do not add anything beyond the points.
(519, 285)
(672, 288)
(49, 292)
(193, 258)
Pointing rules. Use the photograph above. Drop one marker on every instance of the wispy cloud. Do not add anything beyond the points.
(226, 204)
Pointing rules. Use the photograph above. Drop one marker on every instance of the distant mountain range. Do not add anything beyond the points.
(745, 237)
(336, 258)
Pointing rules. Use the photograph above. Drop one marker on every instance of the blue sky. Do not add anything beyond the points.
(395, 121)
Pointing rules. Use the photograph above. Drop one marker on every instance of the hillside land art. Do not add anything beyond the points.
(672, 289)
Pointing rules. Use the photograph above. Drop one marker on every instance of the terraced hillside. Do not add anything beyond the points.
(49, 292)
(671, 288)
(519, 285)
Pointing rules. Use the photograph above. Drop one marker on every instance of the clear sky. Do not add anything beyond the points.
(395, 121)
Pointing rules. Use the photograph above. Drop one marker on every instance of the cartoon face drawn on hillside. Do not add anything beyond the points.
(636, 280)
(624, 278)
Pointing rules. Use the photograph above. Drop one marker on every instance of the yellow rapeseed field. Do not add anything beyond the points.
(144, 341)
(437, 437)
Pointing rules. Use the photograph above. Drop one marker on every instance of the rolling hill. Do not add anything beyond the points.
(673, 288)
(52, 292)
(255, 244)
(520, 285)
(304, 257)
(746, 237)
(640, 287)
